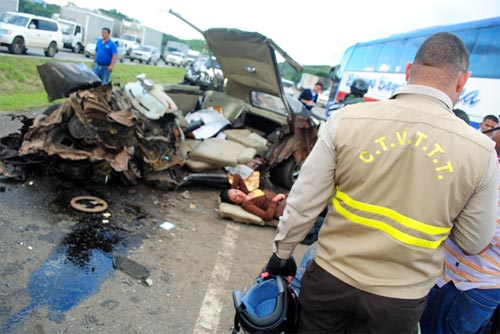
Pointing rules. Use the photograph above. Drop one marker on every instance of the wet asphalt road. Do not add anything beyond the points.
(56, 273)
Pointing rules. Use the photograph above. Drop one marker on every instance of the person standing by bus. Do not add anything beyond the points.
(397, 192)
(308, 97)
(105, 57)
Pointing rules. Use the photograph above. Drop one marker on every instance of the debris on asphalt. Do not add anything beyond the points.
(167, 226)
(90, 204)
(131, 268)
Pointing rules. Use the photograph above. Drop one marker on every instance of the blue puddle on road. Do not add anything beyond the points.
(73, 272)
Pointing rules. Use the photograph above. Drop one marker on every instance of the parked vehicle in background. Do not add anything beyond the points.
(205, 72)
(131, 42)
(90, 49)
(122, 50)
(20, 31)
(134, 35)
(307, 80)
(176, 58)
(288, 86)
(72, 35)
(323, 98)
(80, 26)
(145, 53)
(192, 55)
(382, 63)
(174, 46)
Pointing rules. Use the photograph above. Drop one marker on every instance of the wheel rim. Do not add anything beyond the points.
(295, 173)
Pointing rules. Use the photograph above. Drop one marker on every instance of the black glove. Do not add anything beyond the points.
(277, 266)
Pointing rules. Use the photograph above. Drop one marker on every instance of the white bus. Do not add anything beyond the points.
(382, 64)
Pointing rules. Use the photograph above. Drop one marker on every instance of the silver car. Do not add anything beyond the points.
(145, 53)
(89, 50)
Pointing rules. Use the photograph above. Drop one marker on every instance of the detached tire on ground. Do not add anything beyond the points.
(285, 173)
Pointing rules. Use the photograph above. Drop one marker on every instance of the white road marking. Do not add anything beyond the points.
(210, 310)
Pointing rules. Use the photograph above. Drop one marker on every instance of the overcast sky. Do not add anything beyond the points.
(311, 32)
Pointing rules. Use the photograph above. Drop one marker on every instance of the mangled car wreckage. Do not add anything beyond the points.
(171, 134)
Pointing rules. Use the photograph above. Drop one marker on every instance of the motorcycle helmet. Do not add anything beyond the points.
(359, 87)
(267, 307)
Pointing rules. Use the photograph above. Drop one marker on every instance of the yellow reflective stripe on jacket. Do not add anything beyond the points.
(385, 227)
(394, 215)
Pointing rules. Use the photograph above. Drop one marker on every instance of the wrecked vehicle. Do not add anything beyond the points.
(170, 135)
(261, 114)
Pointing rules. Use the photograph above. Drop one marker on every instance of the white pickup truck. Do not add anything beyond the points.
(175, 58)
(130, 41)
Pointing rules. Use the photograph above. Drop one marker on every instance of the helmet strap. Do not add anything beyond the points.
(236, 327)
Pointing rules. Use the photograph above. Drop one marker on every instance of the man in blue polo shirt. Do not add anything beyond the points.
(105, 56)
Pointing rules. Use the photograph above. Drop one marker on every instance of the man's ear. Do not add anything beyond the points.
(408, 70)
(462, 80)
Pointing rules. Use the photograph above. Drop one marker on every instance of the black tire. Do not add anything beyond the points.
(17, 46)
(77, 48)
(285, 173)
(51, 50)
(51, 109)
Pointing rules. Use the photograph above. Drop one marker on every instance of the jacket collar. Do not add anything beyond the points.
(427, 91)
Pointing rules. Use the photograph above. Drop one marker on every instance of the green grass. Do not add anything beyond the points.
(21, 88)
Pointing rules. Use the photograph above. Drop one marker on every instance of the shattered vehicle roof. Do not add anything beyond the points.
(248, 61)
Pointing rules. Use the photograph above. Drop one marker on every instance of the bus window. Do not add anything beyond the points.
(485, 56)
(365, 58)
(469, 38)
(389, 58)
(410, 50)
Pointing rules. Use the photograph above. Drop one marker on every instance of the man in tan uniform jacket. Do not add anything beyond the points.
(401, 176)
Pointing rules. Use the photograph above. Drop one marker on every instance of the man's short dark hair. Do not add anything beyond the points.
(443, 50)
(462, 115)
(318, 84)
(107, 29)
(491, 118)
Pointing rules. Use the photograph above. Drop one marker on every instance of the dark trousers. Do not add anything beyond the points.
(327, 305)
